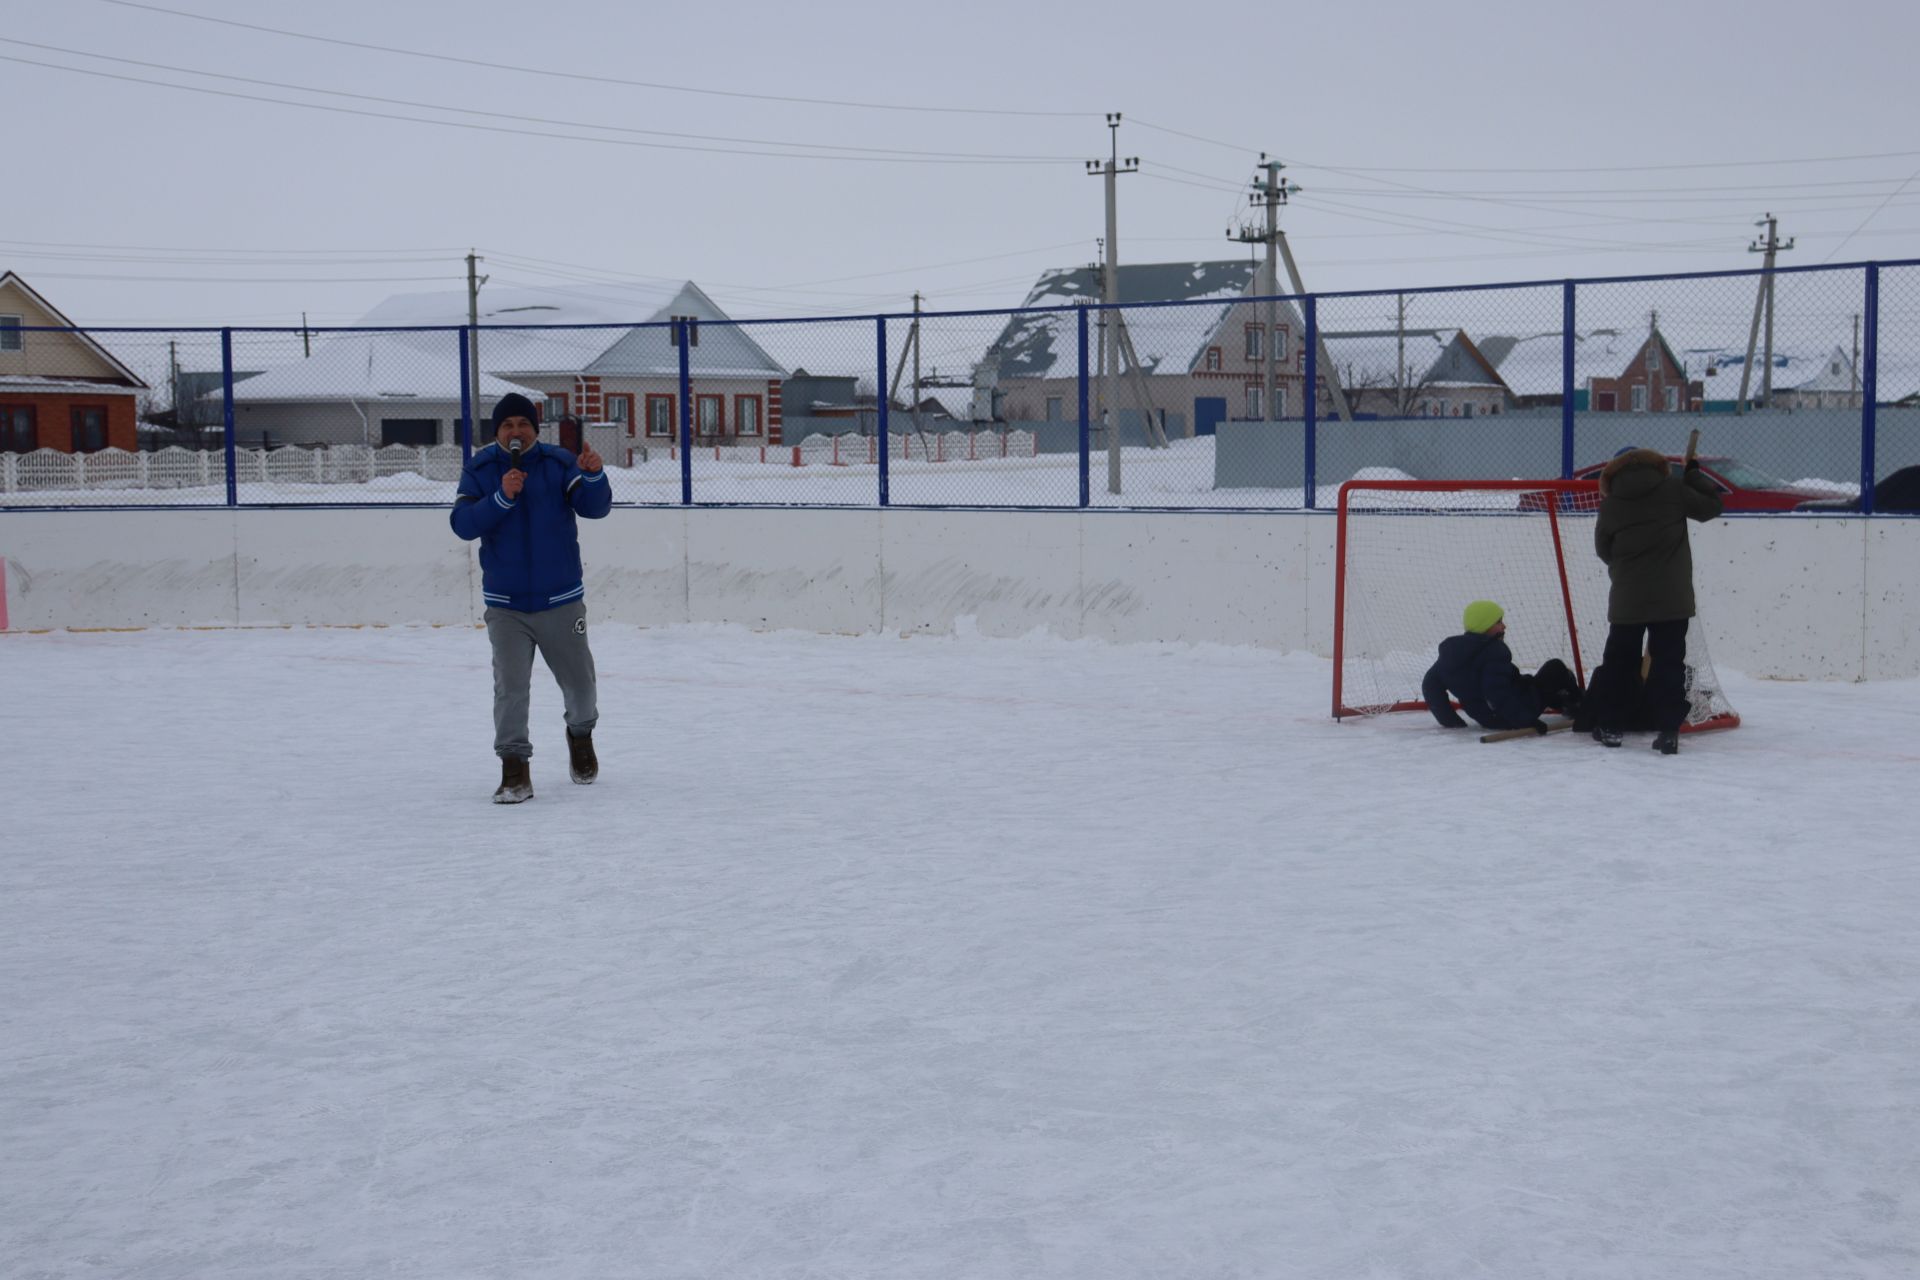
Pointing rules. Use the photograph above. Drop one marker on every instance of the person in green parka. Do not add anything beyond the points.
(1641, 536)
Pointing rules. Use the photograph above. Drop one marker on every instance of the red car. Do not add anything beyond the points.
(1742, 488)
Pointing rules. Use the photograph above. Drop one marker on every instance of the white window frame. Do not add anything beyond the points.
(1639, 398)
(1256, 342)
(553, 408)
(747, 404)
(619, 408)
(1213, 360)
(11, 337)
(1056, 408)
(1653, 357)
(1671, 397)
(672, 424)
(1280, 402)
(1256, 402)
(1280, 348)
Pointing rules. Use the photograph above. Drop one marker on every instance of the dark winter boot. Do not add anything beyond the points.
(1607, 737)
(516, 781)
(1667, 742)
(581, 762)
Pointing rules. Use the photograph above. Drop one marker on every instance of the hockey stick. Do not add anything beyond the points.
(1693, 445)
(1507, 735)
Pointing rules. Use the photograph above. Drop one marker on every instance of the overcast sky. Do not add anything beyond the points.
(1435, 144)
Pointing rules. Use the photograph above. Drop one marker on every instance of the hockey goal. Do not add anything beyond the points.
(1412, 553)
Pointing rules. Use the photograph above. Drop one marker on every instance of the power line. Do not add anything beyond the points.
(126, 279)
(1622, 168)
(496, 66)
(489, 128)
(1871, 216)
(524, 119)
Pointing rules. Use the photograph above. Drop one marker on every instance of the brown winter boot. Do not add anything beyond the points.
(581, 762)
(516, 781)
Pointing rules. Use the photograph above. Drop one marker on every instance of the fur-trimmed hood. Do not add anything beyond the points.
(1643, 469)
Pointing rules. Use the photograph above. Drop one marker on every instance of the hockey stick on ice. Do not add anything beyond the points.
(1507, 735)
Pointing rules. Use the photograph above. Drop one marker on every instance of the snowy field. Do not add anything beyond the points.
(914, 959)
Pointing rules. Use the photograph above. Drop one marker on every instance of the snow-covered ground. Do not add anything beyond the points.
(887, 958)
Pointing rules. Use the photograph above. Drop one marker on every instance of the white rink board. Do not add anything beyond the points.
(1826, 598)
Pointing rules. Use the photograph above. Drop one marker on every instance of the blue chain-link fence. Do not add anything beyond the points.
(1805, 385)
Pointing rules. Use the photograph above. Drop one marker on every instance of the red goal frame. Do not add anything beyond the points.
(1562, 489)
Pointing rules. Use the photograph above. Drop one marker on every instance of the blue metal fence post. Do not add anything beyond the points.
(1566, 380)
(226, 410)
(682, 335)
(1086, 426)
(466, 398)
(1870, 388)
(881, 397)
(1312, 395)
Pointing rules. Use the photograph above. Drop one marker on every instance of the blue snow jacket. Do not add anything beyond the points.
(530, 546)
(1478, 670)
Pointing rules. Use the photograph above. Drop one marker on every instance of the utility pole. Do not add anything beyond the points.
(306, 346)
(1854, 400)
(1272, 193)
(911, 346)
(1772, 246)
(173, 380)
(1400, 367)
(473, 330)
(1110, 169)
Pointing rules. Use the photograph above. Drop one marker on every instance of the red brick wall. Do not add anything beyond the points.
(53, 414)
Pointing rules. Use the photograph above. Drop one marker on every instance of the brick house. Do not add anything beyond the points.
(1654, 381)
(61, 391)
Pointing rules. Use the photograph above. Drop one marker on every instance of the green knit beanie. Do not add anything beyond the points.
(1481, 615)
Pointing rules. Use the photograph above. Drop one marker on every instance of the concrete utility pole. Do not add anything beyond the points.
(1853, 400)
(911, 346)
(1110, 169)
(306, 346)
(1272, 193)
(1400, 366)
(473, 332)
(1763, 298)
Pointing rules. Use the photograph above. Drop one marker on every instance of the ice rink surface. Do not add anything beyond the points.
(928, 958)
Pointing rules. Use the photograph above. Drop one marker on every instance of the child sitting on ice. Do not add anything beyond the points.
(1476, 668)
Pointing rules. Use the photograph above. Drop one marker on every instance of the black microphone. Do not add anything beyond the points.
(513, 454)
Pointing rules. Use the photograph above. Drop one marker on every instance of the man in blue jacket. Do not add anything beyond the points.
(520, 497)
(1477, 668)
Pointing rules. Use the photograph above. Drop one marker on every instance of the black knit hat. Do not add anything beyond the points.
(515, 405)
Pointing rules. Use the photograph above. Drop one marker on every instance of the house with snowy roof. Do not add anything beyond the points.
(616, 359)
(372, 389)
(596, 352)
(1203, 363)
(1413, 373)
(59, 390)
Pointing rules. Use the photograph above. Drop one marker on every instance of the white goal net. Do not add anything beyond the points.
(1413, 553)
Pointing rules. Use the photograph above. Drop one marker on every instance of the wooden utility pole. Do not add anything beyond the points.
(306, 346)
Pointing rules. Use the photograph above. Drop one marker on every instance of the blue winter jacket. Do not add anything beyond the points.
(1478, 670)
(530, 546)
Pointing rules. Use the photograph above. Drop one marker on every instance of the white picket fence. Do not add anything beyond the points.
(944, 446)
(177, 468)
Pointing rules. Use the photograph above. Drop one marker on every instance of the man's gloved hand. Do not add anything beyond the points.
(1693, 464)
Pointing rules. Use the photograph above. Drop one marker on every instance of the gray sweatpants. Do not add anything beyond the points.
(561, 637)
